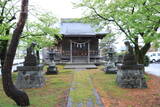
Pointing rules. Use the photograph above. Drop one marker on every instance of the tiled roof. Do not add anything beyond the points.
(78, 29)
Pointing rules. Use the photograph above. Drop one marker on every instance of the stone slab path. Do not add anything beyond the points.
(82, 92)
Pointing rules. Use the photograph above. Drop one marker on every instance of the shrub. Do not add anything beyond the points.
(146, 60)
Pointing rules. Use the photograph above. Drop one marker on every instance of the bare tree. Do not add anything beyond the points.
(11, 91)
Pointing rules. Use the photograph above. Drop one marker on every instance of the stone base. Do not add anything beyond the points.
(30, 79)
(110, 70)
(131, 79)
(52, 70)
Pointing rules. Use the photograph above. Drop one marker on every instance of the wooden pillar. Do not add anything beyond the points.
(88, 51)
(71, 51)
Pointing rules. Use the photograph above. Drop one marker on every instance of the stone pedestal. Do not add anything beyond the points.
(110, 68)
(30, 77)
(52, 69)
(131, 78)
(130, 74)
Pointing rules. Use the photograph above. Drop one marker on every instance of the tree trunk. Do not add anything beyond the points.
(38, 58)
(140, 58)
(140, 53)
(11, 91)
(3, 51)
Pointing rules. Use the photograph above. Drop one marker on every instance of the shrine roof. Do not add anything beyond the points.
(77, 29)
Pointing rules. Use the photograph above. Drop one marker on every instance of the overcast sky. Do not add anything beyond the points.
(61, 8)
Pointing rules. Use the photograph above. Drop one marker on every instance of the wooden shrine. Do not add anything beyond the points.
(79, 43)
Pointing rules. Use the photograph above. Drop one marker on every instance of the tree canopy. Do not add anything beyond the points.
(136, 19)
(8, 13)
(43, 31)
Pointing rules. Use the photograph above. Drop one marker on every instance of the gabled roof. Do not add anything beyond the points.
(77, 29)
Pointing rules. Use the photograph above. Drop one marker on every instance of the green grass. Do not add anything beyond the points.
(109, 90)
(4, 100)
(107, 84)
(52, 94)
(60, 67)
(56, 90)
(146, 76)
(82, 88)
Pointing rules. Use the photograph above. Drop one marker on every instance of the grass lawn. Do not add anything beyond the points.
(113, 96)
(82, 88)
(53, 94)
(56, 90)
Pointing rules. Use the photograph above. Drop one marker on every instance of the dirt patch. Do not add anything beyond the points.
(149, 97)
(62, 99)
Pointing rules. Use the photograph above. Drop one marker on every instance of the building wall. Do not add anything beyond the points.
(64, 45)
(94, 47)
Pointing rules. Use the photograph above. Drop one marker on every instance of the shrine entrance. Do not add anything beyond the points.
(80, 51)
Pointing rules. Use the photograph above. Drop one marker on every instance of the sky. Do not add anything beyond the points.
(60, 8)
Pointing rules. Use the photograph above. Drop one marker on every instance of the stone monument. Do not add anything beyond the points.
(30, 75)
(130, 74)
(110, 66)
(52, 69)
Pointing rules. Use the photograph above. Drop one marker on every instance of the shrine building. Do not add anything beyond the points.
(79, 43)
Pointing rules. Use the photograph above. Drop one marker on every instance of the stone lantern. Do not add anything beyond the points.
(110, 67)
(52, 69)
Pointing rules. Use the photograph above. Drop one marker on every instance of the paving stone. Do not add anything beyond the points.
(88, 66)
(89, 101)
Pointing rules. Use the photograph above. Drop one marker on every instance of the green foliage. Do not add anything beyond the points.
(138, 20)
(7, 17)
(134, 18)
(42, 31)
(146, 61)
(3, 29)
(147, 77)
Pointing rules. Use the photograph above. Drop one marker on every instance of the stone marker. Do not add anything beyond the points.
(130, 74)
(31, 74)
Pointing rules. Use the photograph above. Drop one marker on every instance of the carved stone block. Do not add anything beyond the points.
(131, 79)
(30, 77)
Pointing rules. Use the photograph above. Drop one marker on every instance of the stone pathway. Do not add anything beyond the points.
(82, 93)
(81, 66)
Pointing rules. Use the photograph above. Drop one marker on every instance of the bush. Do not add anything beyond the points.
(146, 60)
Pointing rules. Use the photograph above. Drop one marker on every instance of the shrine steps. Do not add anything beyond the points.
(80, 63)
(80, 66)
